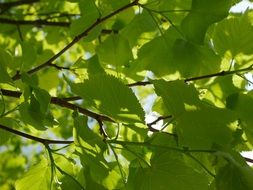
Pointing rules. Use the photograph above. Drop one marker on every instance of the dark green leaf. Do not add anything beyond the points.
(115, 51)
(5, 60)
(167, 171)
(203, 13)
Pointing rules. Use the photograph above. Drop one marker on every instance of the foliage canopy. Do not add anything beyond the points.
(80, 80)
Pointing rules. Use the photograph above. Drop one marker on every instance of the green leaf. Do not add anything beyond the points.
(198, 125)
(167, 171)
(85, 137)
(91, 154)
(2, 105)
(108, 95)
(115, 51)
(156, 55)
(5, 60)
(30, 114)
(233, 35)
(38, 177)
(68, 173)
(5, 135)
(49, 80)
(194, 60)
(31, 81)
(94, 66)
(169, 54)
(234, 175)
(203, 128)
(220, 89)
(203, 13)
(177, 96)
(141, 23)
(29, 55)
(242, 104)
(89, 15)
(43, 98)
(165, 7)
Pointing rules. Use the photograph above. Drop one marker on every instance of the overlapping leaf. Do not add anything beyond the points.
(199, 125)
(203, 13)
(242, 104)
(90, 150)
(37, 178)
(115, 51)
(235, 174)
(111, 97)
(167, 171)
(234, 35)
(5, 60)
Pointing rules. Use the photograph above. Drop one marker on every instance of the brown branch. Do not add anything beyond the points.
(59, 67)
(7, 5)
(77, 39)
(222, 73)
(63, 103)
(140, 83)
(101, 128)
(34, 22)
(248, 159)
(109, 31)
(34, 138)
(73, 98)
(158, 119)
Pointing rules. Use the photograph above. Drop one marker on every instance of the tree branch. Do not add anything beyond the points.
(248, 159)
(34, 22)
(34, 138)
(221, 73)
(7, 5)
(63, 103)
(77, 39)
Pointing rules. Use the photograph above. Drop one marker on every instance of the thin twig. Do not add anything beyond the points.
(101, 128)
(34, 22)
(77, 39)
(20, 33)
(31, 137)
(59, 67)
(221, 73)
(248, 159)
(159, 119)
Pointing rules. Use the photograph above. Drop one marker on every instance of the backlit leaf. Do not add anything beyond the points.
(38, 177)
(103, 91)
